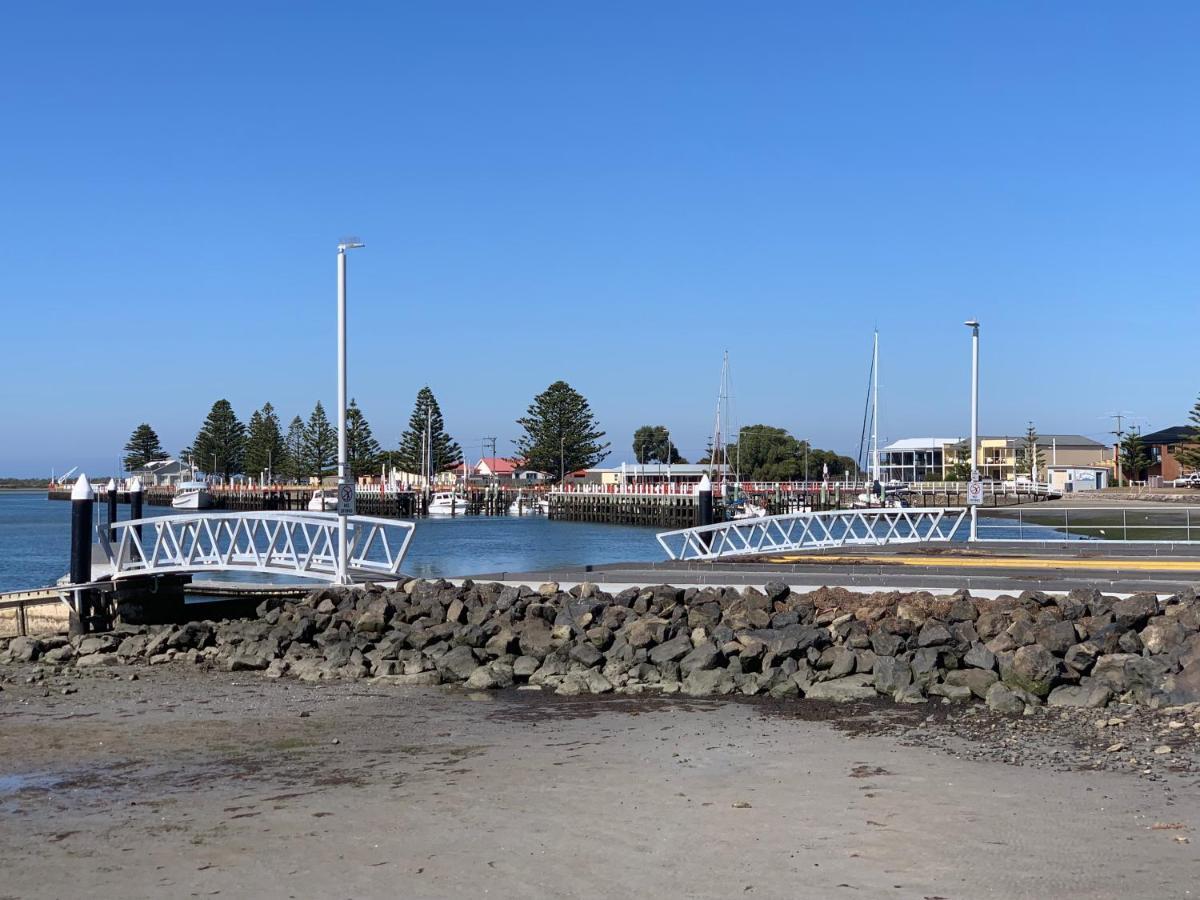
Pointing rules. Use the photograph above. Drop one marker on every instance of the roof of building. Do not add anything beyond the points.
(1044, 440)
(159, 465)
(921, 443)
(1174, 435)
(498, 465)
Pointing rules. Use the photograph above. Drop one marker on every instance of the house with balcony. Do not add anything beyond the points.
(1163, 447)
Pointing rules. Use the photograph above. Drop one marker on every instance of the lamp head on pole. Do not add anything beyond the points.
(973, 324)
(349, 243)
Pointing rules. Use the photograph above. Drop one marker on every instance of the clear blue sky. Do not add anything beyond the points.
(611, 194)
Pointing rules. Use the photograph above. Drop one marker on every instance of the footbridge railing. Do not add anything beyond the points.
(813, 531)
(276, 543)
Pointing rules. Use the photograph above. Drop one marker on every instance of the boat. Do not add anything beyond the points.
(192, 495)
(744, 509)
(447, 503)
(323, 501)
(524, 506)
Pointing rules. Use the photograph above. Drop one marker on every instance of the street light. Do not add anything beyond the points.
(343, 246)
(973, 324)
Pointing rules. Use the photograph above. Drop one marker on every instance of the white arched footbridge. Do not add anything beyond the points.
(272, 543)
(813, 531)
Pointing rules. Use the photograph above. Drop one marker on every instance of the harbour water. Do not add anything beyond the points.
(35, 540)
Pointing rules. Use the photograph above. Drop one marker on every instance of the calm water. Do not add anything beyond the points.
(35, 540)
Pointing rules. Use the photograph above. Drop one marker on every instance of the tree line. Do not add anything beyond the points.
(560, 435)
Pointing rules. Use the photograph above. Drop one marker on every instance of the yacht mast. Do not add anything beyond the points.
(875, 410)
(718, 457)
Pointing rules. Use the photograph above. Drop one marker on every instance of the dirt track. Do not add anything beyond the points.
(197, 784)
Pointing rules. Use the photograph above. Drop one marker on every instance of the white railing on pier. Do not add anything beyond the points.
(277, 543)
(812, 531)
(793, 488)
(1114, 524)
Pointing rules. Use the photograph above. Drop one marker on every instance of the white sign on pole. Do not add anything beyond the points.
(975, 493)
(345, 500)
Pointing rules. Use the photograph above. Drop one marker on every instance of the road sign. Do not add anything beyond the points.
(974, 493)
(345, 497)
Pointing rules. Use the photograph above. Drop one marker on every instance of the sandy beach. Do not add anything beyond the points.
(188, 783)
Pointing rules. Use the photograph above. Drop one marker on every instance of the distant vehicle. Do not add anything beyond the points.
(1191, 481)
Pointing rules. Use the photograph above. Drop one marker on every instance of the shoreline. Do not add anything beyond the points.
(192, 782)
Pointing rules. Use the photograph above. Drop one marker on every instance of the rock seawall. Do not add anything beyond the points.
(1079, 649)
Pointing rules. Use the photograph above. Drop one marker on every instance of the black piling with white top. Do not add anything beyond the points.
(83, 500)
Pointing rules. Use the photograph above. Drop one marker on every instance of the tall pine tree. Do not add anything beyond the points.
(444, 452)
(320, 444)
(361, 447)
(1189, 451)
(293, 466)
(264, 442)
(1031, 453)
(220, 446)
(1134, 458)
(143, 447)
(561, 434)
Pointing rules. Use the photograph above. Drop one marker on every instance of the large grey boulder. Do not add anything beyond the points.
(980, 657)
(706, 656)
(1089, 695)
(536, 639)
(891, 675)
(458, 663)
(1184, 686)
(1057, 637)
(977, 681)
(1002, 699)
(1032, 668)
(24, 649)
(706, 682)
(672, 651)
(842, 690)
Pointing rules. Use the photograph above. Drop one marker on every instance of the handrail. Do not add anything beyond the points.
(275, 542)
(812, 531)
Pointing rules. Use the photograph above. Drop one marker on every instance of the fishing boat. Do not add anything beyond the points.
(524, 506)
(447, 503)
(192, 495)
(323, 501)
(745, 509)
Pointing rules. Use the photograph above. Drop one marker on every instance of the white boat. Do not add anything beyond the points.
(524, 506)
(748, 510)
(323, 501)
(447, 503)
(192, 495)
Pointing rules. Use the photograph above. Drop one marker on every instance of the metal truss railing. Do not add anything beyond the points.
(812, 531)
(277, 543)
(1137, 524)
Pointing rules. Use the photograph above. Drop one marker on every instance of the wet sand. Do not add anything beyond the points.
(186, 783)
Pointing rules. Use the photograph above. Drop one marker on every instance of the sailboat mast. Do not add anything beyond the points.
(875, 410)
(717, 457)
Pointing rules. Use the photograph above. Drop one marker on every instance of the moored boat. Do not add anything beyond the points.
(192, 495)
(447, 503)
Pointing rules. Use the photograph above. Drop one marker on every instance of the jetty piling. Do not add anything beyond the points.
(83, 499)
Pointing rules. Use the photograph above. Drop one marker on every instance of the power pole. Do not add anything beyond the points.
(492, 441)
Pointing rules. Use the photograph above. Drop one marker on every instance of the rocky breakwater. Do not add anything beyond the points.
(1080, 649)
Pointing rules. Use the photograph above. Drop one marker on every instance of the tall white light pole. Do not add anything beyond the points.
(343, 450)
(973, 324)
